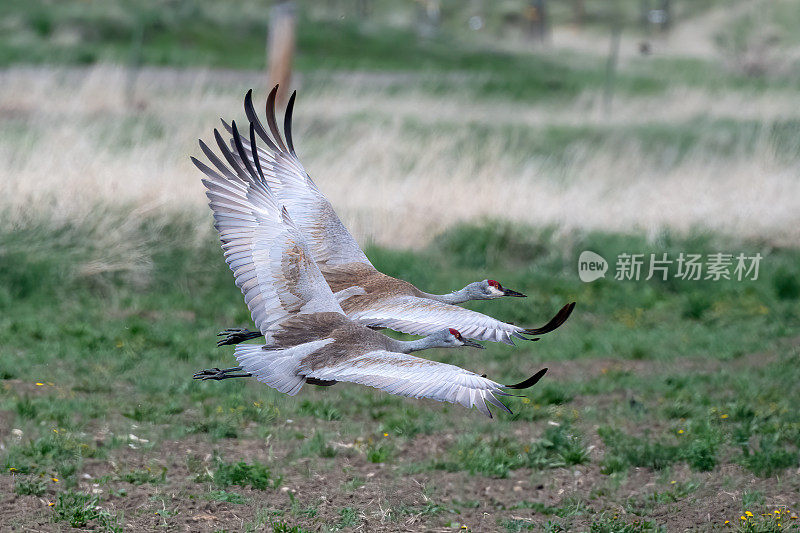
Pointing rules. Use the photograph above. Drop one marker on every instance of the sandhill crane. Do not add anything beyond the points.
(308, 337)
(366, 295)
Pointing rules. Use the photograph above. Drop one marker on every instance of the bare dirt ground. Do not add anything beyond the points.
(388, 499)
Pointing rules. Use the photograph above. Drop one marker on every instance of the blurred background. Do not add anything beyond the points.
(607, 114)
(458, 140)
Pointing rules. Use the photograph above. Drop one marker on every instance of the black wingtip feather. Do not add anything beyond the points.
(555, 322)
(254, 152)
(252, 116)
(240, 148)
(273, 123)
(227, 154)
(287, 123)
(530, 382)
(212, 157)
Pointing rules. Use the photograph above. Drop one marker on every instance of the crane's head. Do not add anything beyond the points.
(489, 289)
(451, 338)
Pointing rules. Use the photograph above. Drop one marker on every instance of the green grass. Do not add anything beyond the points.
(142, 476)
(283, 527)
(348, 517)
(226, 496)
(32, 485)
(497, 456)
(79, 510)
(256, 475)
(319, 445)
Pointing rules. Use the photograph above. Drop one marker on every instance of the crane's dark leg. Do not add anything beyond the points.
(217, 374)
(321, 382)
(237, 335)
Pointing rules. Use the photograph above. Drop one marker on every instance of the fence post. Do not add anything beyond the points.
(280, 47)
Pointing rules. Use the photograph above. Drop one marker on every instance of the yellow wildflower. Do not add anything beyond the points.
(39, 384)
(50, 504)
(385, 434)
(723, 416)
(55, 479)
(748, 513)
(680, 432)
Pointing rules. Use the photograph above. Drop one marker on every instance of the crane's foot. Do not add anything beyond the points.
(217, 374)
(237, 335)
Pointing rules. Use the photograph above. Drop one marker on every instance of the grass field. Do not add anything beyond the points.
(667, 405)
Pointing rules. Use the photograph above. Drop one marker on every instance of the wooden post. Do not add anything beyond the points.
(428, 18)
(363, 8)
(611, 66)
(536, 13)
(666, 8)
(135, 60)
(280, 47)
(578, 12)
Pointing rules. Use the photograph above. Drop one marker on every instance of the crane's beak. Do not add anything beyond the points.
(473, 344)
(509, 292)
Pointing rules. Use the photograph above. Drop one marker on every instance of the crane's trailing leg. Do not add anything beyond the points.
(217, 374)
(237, 335)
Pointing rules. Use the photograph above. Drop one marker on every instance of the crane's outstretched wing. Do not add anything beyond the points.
(407, 375)
(326, 236)
(264, 249)
(420, 316)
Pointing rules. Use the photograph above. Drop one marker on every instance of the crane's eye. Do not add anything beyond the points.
(455, 333)
(493, 283)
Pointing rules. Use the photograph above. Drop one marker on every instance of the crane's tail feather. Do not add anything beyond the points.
(274, 368)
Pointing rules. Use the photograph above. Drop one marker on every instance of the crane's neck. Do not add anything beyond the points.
(417, 345)
(455, 297)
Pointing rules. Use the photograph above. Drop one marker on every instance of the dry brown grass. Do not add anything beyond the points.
(72, 139)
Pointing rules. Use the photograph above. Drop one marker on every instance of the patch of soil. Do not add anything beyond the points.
(385, 497)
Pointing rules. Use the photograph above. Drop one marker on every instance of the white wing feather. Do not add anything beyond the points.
(420, 316)
(406, 375)
(326, 236)
(264, 249)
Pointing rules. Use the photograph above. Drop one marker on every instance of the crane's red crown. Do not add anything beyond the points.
(493, 283)
(455, 333)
